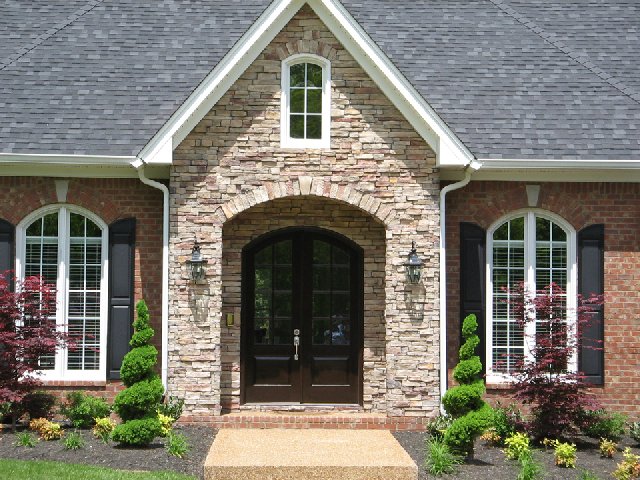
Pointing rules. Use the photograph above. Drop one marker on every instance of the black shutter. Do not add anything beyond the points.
(472, 280)
(121, 302)
(6, 247)
(591, 280)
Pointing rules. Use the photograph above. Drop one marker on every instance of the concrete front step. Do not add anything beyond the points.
(278, 454)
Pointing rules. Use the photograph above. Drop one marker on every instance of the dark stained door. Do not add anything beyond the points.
(302, 286)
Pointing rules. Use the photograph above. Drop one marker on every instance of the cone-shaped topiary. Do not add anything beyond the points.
(464, 402)
(137, 404)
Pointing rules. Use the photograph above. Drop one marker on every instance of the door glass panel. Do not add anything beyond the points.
(331, 310)
(273, 296)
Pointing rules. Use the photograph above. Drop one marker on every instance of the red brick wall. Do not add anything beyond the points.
(110, 199)
(617, 206)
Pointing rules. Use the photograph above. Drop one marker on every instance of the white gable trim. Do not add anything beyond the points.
(448, 148)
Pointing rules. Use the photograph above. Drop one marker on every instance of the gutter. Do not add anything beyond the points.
(469, 169)
(139, 165)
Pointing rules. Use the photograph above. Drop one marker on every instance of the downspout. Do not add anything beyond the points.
(139, 165)
(469, 169)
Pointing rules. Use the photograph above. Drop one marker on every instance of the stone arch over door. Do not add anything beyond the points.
(306, 186)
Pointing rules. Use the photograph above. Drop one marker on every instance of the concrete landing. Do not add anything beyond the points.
(278, 454)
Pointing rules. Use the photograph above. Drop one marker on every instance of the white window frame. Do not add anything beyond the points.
(530, 215)
(60, 372)
(285, 140)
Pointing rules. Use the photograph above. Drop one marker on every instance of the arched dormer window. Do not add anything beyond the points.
(531, 246)
(306, 102)
(67, 246)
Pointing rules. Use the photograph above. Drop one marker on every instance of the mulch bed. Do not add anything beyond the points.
(490, 462)
(154, 457)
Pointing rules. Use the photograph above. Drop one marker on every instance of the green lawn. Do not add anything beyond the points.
(39, 470)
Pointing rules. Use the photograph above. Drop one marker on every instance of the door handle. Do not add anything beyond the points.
(296, 342)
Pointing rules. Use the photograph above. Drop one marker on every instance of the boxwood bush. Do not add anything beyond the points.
(472, 415)
(136, 405)
(82, 409)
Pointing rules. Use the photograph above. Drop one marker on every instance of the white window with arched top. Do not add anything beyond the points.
(537, 248)
(67, 246)
(305, 120)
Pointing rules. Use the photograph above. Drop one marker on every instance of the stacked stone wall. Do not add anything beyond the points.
(232, 162)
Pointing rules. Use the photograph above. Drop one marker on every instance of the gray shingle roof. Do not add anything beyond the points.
(505, 90)
(106, 83)
(512, 78)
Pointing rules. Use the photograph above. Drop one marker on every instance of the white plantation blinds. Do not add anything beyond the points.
(66, 248)
(533, 249)
(83, 296)
(508, 271)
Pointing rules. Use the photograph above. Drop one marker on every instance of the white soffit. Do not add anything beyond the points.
(449, 149)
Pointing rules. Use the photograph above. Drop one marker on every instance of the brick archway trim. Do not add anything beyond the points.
(301, 186)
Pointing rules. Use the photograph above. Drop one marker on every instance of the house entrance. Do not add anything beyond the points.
(302, 304)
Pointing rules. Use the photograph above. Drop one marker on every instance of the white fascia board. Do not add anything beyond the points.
(78, 171)
(525, 163)
(448, 148)
(53, 159)
(222, 77)
(450, 151)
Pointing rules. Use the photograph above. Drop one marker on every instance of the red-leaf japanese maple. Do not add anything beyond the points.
(546, 379)
(27, 333)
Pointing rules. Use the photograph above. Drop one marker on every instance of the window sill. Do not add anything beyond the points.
(74, 383)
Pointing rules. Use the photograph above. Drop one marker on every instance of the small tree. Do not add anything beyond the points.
(27, 333)
(546, 381)
(137, 404)
(472, 415)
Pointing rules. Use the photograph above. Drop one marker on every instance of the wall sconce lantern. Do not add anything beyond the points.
(413, 266)
(196, 264)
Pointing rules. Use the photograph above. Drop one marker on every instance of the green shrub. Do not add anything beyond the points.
(51, 431)
(472, 415)
(166, 423)
(565, 454)
(462, 432)
(603, 424)
(467, 370)
(629, 468)
(103, 428)
(608, 448)
(530, 468)
(517, 445)
(137, 404)
(439, 458)
(172, 407)
(464, 398)
(139, 398)
(177, 445)
(38, 405)
(437, 426)
(506, 421)
(82, 409)
(139, 362)
(73, 441)
(634, 431)
(25, 439)
(137, 432)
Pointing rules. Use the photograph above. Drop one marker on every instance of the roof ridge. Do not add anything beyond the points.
(4, 63)
(582, 59)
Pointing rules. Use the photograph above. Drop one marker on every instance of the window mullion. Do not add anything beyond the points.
(530, 284)
(62, 285)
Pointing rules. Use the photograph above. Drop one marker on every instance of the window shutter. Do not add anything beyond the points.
(7, 237)
(591, 280)
(472, 280)
(121, 297)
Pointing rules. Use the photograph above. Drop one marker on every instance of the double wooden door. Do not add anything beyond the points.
(302, 318)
